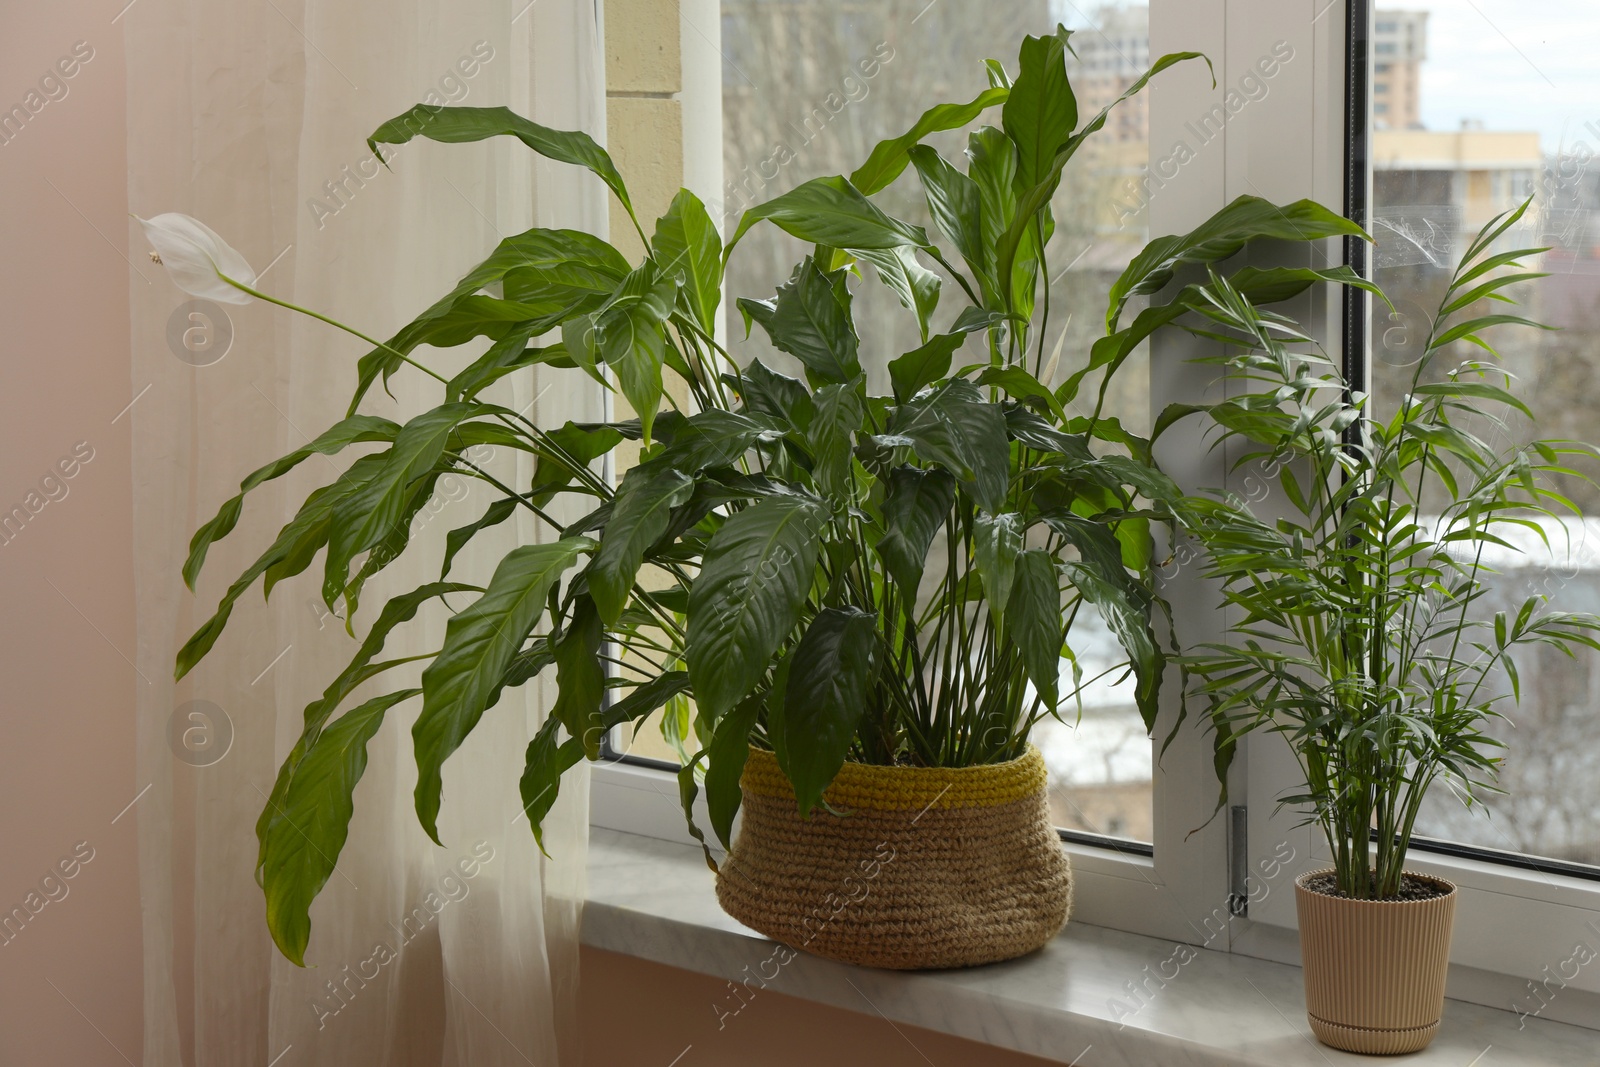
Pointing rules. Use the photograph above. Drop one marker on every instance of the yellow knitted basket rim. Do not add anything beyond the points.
(879, 788)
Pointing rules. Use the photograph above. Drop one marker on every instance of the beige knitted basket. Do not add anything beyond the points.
(924, 867)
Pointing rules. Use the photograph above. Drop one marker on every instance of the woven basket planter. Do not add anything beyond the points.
(1375, 969)
(931, 867)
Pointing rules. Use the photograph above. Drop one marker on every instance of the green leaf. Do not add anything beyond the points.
(831, 212)
(1012, 249)
(354, 429)
(1247, 218)
(810, 320)
(996, 543)
(688, 790)
(532, 249)
(916, 504)
(1020, 385)
(548, 758)
(923, 366)
(635, 348)
(993, 167)
(829, 686)
(454, 125)
(726, 756)
(479, 644)
(640, 514)
(915, 285)
(1040, 111)
(304, 839)
(1124, 604)
(955, 204)
(457, 539)
(297, 541)
(400, 609)
(581, 677)
(686, 245)
(888, 158)
(366, 517)
(754, 577)
(830, 438)
(1033, 620)
(767, 392)
(561, 454)
(505, 356)
(954, 427)
(714, 438)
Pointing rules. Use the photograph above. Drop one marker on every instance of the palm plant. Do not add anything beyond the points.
(1359, 633)
(826, 573)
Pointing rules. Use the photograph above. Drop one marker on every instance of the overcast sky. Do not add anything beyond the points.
(1515, 64)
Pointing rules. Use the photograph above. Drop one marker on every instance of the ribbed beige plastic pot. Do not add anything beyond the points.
(1375, 969)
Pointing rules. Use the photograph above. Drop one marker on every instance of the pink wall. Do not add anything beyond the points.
(66, 634)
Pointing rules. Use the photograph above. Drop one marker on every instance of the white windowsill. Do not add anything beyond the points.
(655, 900)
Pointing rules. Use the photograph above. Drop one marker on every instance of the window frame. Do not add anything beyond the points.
(1305, 138)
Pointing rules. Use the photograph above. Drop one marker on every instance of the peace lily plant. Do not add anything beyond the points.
(797, 565)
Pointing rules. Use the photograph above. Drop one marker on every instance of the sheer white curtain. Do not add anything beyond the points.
(251, 115)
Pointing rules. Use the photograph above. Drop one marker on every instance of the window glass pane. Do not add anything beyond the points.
(808, 89)
(1490, 102)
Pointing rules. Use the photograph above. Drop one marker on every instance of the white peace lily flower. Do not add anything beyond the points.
(199, 262)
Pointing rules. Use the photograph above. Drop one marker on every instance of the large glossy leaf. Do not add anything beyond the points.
(549, 757)
(755, 575)
(956, 205)
(1125, 604)
(364, 518)
(479, 644)
(457, 539)
(830, 436)
(349, 431)
(726, 756)
(686, 245)
(298, 540)
(1223, 234)
(923, 366)
(639, 515)
(1040, 111)
(915, 285)
(1033, 620)
(956, 428)
(830, 682)
(581, 677)
(810, 320)
(303, 843)
(635, 348)
(996, 543)
(361, 668)
(1012, 247)
(832, 212)
(563, 452)
(532, 249)
(714, 438)
(506, 356)
(766, 392)
(454, 125)
(916, 504)
(888, 158)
